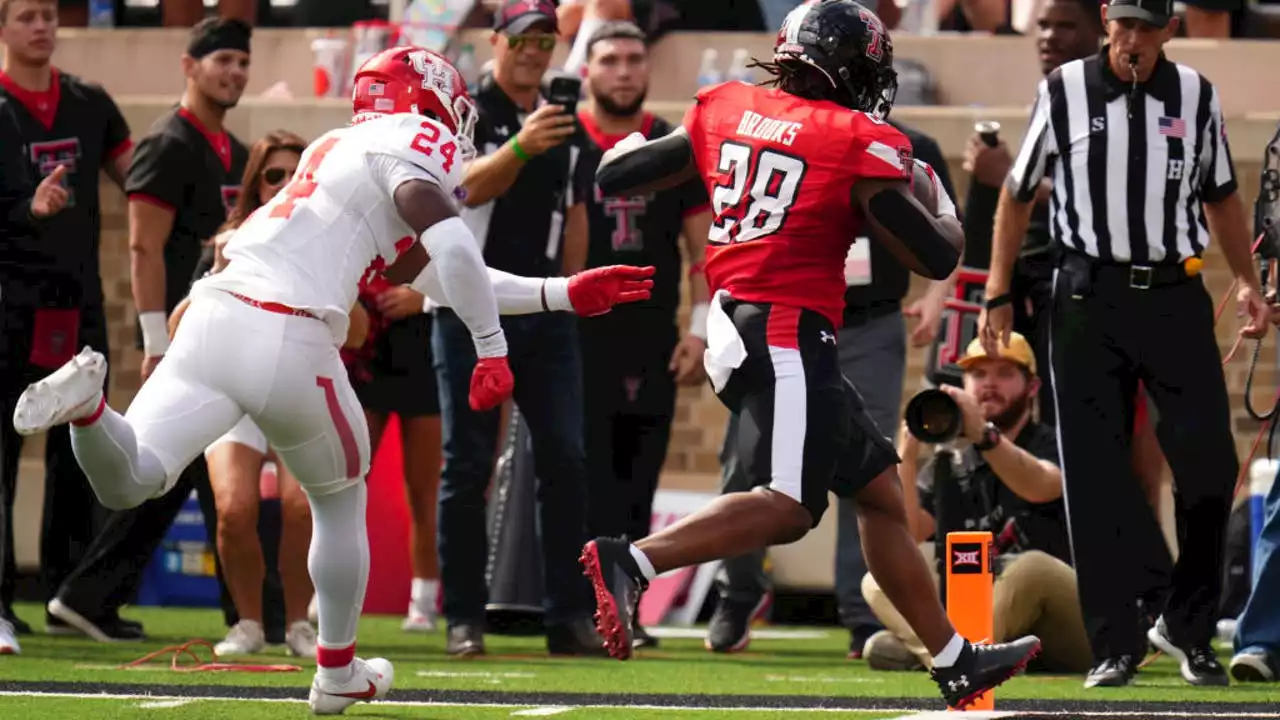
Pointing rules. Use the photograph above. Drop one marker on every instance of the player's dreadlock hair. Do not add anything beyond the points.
(802, 80)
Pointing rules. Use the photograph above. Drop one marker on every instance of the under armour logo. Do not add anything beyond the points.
(955, 685)
(827, 337)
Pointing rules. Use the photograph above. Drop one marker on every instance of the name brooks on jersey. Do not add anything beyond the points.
(755, 125)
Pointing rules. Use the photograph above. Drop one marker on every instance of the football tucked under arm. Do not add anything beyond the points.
(916, 224)
(636, 166)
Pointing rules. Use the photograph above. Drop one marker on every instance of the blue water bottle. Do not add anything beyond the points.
(102, 13)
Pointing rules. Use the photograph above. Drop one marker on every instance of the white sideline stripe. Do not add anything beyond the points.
(910, 714)
(543, 711)
(967, 715)
(163, 704)
(421, 703)
(986, 714)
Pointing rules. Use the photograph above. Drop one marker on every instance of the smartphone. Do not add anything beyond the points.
(564, 90)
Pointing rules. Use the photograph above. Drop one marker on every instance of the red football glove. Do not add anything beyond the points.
(491, 383)
(596, 291)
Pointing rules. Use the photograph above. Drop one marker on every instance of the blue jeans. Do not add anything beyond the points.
(543, 354)
(873, 356)
(1259, 624)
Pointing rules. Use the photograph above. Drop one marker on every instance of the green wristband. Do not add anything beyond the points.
(519, 151)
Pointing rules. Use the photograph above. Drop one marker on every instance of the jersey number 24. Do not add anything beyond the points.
(765, 181)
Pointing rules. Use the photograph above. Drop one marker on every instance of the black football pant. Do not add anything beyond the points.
(1103, 343)
(629, 401)
(71, 511)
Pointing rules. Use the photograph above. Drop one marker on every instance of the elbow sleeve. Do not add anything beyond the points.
(464, 282)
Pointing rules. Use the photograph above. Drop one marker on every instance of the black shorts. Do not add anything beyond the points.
(404, 380)
(803, 429)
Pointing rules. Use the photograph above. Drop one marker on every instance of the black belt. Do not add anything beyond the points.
(1138, 277)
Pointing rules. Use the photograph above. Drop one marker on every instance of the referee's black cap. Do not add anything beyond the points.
(1156, 12)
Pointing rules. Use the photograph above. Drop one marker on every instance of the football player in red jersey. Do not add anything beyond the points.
(794, 170)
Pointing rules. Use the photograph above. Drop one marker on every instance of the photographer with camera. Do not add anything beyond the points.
(1000, 473)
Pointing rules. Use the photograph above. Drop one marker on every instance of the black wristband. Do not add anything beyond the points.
(997, 301)
(990, 438)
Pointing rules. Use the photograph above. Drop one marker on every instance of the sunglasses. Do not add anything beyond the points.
(545, 43)
(275, 175)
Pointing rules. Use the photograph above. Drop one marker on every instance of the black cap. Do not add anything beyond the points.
(213, 34)
(517, 16)
(1156, 12)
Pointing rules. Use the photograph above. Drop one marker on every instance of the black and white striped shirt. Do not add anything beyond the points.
(1128, 177)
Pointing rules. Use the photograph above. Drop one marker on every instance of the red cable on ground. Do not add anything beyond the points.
(214, 666)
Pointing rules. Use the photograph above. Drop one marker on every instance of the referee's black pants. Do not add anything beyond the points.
(71, 511)
(1103, 342)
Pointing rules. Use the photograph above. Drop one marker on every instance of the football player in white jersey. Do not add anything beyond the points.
(261, 337)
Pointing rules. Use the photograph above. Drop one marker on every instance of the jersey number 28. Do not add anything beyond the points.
(773, 179)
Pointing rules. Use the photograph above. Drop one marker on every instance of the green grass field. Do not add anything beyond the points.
(518, 678)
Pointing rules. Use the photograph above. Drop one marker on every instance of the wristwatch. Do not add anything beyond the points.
(990, 438)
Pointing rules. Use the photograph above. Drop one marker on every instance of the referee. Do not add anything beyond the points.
(1137, 155)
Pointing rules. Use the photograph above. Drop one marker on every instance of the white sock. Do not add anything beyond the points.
(423, 596)
(339, 675)
(123, 473)
(950, 653)
(578, 54)
(646, 567)
(339, 562)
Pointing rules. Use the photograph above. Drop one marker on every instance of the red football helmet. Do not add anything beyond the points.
(413, 80)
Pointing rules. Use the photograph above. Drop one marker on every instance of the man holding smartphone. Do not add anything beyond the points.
(524, 202)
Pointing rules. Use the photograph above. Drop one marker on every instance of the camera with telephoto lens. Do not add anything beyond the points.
(933, 417)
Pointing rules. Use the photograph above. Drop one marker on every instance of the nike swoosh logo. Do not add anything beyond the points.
(362, 695)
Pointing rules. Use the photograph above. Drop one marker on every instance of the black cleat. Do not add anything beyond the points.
(983, 667)
(641, 639)
(1115, 671)
(575, 638)
(730, 628)
(618, 582)
(464, 640)
(1199, 664)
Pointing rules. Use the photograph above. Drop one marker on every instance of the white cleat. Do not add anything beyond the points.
(300, 638)
(244, 638)
(72, 392)
(418, 621)
(370, 680)
(8, 639)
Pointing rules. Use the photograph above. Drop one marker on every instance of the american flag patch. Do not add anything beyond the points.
(376, 89)
(1173, 127)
